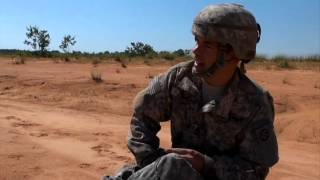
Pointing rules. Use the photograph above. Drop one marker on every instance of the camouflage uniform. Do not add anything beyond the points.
(236, 135)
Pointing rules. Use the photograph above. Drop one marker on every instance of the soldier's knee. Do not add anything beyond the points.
(173, 166)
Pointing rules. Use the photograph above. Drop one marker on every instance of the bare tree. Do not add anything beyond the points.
(67, 42)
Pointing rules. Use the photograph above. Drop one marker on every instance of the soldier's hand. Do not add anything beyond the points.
(195, 158)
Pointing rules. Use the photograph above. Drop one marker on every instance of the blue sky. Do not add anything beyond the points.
(290, 27)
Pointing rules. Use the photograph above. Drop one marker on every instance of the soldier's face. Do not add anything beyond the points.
(205, 54)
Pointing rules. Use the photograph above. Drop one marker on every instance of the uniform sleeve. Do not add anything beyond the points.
(257, 150)
(151, 106)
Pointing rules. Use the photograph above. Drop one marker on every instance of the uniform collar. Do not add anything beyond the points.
(224, 107)
(193, 87)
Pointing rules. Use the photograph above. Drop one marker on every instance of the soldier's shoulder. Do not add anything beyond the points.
(254, 91)
(179, 71)
(250, 86)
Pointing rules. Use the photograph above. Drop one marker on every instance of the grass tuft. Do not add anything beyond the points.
(18, 60)
(96, 76)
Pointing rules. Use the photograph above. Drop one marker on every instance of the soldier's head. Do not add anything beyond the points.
(224, 33)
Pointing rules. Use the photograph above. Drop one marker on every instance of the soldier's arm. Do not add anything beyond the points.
(151, 106)
(257, 150)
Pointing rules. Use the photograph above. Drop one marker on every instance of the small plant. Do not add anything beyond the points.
(118, 59)
(282, 61)
(66, 59)
(150, 55)
(285, 81)
(18, 60)
(167, 55)
(149, 76)
(123, 65)
(284, 64)
(147, 62)
(96, 76)
(56, 60)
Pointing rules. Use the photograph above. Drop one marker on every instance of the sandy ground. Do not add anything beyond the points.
(56, 123)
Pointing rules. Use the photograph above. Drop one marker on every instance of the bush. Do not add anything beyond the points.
(147, 62)
(18, 60)
(260, 58)
(121, 61)
(150, 55)
(96, 76)
(95, 61)
(284, 64)
(123, 65)
(118, 59)
(179, 52)
(66, 59)
(167, 55)
(282, 61)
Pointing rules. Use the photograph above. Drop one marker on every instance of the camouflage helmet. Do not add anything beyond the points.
(229, 24)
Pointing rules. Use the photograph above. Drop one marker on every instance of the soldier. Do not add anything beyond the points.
(221, 121)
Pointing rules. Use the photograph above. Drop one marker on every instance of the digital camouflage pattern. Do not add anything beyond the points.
(167, 167)
(229, 24)
(236, 134)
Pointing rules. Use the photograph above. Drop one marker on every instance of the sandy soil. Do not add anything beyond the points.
(56, 123)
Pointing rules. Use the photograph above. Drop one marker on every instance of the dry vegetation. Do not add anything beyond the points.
(96, 76)
(18, 60)
(285, 62)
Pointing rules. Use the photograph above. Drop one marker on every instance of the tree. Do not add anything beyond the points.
(139, 49)
(32, 34)
(67, 42)
(44, 40)
(179, 52)
(37, 39)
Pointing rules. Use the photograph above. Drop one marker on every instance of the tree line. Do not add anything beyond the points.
(39, 40)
